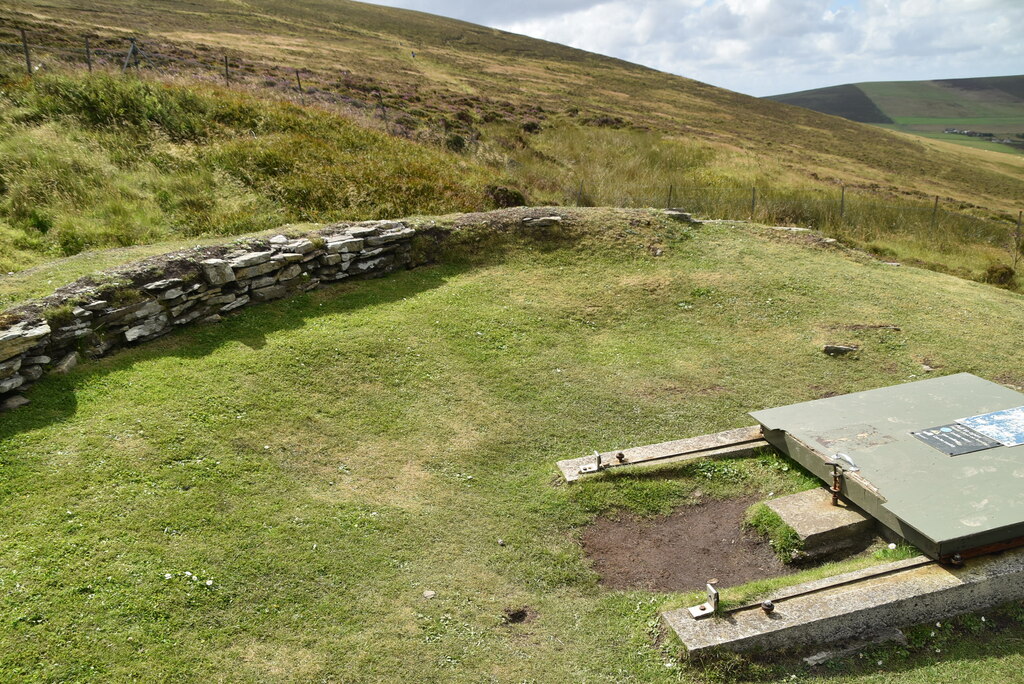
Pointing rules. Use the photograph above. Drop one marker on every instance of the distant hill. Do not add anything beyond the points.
(847, 101)
(973, 106)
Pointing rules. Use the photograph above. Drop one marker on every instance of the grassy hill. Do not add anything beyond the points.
(561, 126)
(991, 105)
(323, 461)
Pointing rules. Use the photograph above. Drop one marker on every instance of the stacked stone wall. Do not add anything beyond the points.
(51, 336)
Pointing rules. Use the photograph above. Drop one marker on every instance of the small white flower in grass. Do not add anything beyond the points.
(892, 547)
(209, 583)
(188, 574)
(879, 663)
(938, 650)
(938, 624)
(167, 575)
(982, 618)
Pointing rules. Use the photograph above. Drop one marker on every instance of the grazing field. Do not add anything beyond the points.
(927, 108)
(269, 498)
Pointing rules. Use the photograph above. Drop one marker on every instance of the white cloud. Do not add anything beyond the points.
(765, 47)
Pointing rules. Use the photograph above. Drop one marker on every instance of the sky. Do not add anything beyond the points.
(769, 47)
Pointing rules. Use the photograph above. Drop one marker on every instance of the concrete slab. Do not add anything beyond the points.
(824, 529)
(941, 503)
(858, 605)
(730, 443)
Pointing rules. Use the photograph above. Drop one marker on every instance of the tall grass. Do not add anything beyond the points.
(101, 161)
(584, 166)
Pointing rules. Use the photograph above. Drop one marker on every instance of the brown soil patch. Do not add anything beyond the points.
(683, 550)
(519, 615)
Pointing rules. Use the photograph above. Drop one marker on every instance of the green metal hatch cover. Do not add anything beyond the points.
(942, 504)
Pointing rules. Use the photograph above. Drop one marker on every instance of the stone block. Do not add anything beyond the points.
(21, 337)
(217, 271)
(66, 365)
(9, 368)
(265, 294)
(150, 328)
(32, 373)
(293, 271)
(346, 245)
(13, 402)
(257, 270)
(823, 529)
(263, 281)
(166, 284)
(237, 304)
(250, 259)
(299, 246)
(11, 383)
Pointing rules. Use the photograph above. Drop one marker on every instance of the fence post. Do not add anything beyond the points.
(302, 94)
(28, 57)
(227, 74)
(842, 203)
(579, 195)
(668, 205)
(753, 201)
(128, 57)
(1017, 241)
(935, 213)
(384, 113)
(88, 54)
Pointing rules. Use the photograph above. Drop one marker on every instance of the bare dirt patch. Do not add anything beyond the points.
(683, 550)
(519, 615)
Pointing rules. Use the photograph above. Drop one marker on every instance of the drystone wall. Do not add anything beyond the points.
(150, 299)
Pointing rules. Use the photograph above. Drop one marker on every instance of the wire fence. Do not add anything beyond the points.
(40, 51)
(862, 216)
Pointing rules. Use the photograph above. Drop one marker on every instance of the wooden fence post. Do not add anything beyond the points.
(935, 214)
(88, 54)
(668, 205)
(753, 201)
(227, 73)
(28, 56)
(1017, 241)
(842, 203)
(128, 57)
(302, 94)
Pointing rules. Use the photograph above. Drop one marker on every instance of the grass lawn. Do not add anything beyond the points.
(267, 499)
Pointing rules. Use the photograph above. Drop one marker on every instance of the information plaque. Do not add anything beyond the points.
(955, 439)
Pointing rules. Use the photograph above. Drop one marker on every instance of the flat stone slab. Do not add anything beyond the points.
(858, 605)
(822, 527)
(736, 442)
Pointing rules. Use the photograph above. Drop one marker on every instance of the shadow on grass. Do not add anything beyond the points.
(54, 398)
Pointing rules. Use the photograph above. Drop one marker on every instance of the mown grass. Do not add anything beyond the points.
(89, 162)
(327, 459)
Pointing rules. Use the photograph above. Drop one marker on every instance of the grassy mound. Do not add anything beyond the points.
(88, 162)
(324, 461)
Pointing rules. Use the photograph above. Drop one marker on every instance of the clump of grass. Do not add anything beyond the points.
(783, 539)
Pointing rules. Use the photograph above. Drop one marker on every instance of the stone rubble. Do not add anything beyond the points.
(94, 326)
